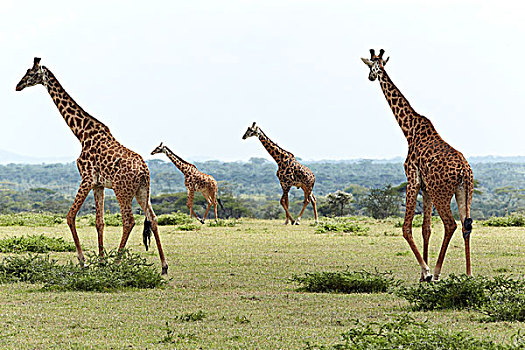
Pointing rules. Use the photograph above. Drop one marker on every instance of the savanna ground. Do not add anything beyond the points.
(229, 288)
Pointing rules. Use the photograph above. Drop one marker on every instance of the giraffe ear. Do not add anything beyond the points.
(367, 62)
(36, 61)
(384, 63)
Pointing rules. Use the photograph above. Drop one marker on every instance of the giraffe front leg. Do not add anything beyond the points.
(284, 203)
(99, 217)
(189, 204)
(82, 193)
(427, 224)
(413, 187)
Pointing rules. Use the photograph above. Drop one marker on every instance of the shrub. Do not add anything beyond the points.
(345, 282)
(192, 316)
(30, 219)
(515, 219)
(418, 221)
(505, 300)
(223, 223)
(111, 219)
(35, 244)
(189, 227)
(500, 299)
(341, 226)
(114, 271)
(454, 292)
(403, 332)
(174, 219)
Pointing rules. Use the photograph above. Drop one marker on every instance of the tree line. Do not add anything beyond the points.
(252, 189)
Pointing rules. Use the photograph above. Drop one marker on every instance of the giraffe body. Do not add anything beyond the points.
(289, 172)
(432, 166)
(195, 181)
(103, 163)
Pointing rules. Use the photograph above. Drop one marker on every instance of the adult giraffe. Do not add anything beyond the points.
(103, 163)
(433, 167)
(290, 173)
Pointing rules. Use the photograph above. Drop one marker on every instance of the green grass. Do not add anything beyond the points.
(35, 244)
(30, 219)
(341, 225)
(239, 277)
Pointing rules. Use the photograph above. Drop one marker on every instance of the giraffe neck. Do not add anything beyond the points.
(180, 163)
(79, 121)
(404, 113)
(273, 149)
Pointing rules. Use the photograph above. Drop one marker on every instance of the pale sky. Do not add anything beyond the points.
(195, 74)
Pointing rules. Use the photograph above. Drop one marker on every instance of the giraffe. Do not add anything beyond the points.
(290, 173)
(103, 163)
(433, 167)
(194, 180)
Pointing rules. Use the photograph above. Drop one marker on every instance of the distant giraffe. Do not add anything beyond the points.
(103, 163)
(194, 180)
(433, 167)
(290, 173)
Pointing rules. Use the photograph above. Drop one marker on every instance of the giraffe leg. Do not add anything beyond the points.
(207, 197)
(284, 203)
(413, 186)
(144, 202)
(450, 226)
(189, 204)
(99, 217)
(307, 199)
(82, 193)
(427, 224)
(314, 205)
(464, 214)
(128, 222)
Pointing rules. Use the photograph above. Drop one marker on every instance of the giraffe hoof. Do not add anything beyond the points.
(202, 221)
(426, 279)
(164, 270)
(296, 223)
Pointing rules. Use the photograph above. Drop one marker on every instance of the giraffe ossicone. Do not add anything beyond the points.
(103, 163)
(433, 167)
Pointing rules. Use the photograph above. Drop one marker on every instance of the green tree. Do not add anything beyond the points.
(383, 202)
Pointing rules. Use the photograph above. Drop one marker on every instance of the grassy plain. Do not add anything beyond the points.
(229, 288)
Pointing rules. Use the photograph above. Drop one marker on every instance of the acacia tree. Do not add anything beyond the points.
(383, 202)
(337, 201)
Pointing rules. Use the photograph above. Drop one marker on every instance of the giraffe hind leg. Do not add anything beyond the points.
(466, 221)
(98, 193)
(144, 202)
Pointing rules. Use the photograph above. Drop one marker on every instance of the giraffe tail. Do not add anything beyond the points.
(146, 234)
(219, 201)
(469, 189)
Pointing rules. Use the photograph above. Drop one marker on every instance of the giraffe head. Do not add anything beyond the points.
(251, 131)
(160, 149)
(33, 76)
(376, 63)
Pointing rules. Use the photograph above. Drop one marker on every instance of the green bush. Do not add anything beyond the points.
(454, 292)
(500, 299)
(418, 221)
(189, 227)
(30, 219)
(403, 332)
(110, 219)
(192, 316)
(505, 300)
(223, 223)
(517, 220)
(341, 225)
(35, 244)
(114, 271)
(174, 219)
(345, 282)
